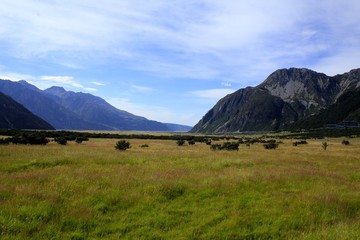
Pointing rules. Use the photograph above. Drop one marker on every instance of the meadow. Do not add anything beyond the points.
(165, 191)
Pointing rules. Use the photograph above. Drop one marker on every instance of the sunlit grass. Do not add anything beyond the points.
(165, 191)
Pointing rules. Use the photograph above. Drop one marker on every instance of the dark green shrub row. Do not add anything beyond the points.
(225, 146)
(271, 145)
(300, 142)
(27, 138)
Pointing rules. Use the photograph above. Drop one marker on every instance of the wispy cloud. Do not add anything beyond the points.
(226, 84)
(98, 83)
(212, 94)
(217, 38)
(142, 89)
(149, 111)
(91, 89)
(63, 80)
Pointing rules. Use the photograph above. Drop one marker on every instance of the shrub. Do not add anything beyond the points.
(191, 142)
(271, 145)
(325, 145)
(230, 146)
(29, 138)
(144, 146)
(345, 142)
(299, 142)
(215, 147)
(122, 145)
(225, 146)
(5, 141)
(60, 140)
(81, 139)
(180, 142)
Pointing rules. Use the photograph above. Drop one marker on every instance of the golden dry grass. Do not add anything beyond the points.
(91, 190)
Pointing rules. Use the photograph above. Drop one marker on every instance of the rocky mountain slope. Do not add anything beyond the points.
(286, 97)
(15, 116)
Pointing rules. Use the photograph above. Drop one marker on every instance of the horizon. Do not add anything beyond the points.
(171, 62)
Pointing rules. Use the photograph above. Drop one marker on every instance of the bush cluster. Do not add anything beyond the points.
(225, 146)
(180, 142)
(122, 145)
(271, 145)
(60, 140)
(300, 142)
(27, 138)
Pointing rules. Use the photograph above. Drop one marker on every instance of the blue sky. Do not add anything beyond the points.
(171, 61)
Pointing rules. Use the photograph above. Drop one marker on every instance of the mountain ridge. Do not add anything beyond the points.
(296, 93)
(13, 115)
(78, 111)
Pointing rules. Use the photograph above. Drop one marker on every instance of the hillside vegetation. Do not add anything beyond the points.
(165, 191)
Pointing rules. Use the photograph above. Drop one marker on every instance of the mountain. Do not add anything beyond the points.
(178, 127)
(15, 116)
(75, 111)
(346, 108)
(285, 98)
(95, 109)
(41, 105)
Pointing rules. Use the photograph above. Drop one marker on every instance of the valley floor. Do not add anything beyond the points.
(164, 191)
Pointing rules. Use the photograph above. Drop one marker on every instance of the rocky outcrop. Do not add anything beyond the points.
(285, 97)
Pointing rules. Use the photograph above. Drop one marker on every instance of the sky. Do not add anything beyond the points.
(171, 61)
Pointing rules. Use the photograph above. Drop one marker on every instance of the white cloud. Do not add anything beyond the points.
(149, 111)
(212, 94)
(98, 83)
(16, 76)
(207, 39)
(142, 89)
(91, 89)
(226, 84)
(63, 80)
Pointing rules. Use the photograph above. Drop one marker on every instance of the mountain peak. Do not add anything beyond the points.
(55, 90)
(285, 97)
(283, 76)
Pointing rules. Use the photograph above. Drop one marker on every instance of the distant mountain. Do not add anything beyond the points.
(285, 98)
(95, 109)
(41, 105)
(75, 111)
(178, 128)
(15, 116)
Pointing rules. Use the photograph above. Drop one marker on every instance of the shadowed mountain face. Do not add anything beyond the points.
(77, 111)
(284, 98)
(15, 116)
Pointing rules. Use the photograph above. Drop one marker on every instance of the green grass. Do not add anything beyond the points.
(164, 191)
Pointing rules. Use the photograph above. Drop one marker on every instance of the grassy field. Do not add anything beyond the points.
(92, 191)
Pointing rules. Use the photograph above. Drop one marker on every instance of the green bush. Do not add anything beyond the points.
(81, 139)
(60, 140)
(271, 145)
(299, 142)
(225, 146)
(122, 145)
(325, 145)
(180, 142)
(29, 138)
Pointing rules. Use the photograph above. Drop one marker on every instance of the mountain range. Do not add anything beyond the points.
(15, 116)
(291, 98)
(78, 111)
